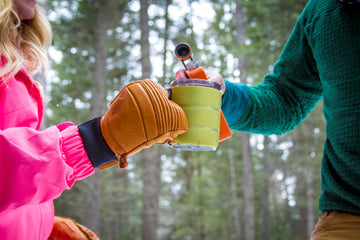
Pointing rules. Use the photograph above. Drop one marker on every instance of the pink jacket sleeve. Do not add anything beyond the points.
(37, 166)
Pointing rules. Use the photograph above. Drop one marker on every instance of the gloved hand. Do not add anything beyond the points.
(139, 116)
(67, 228)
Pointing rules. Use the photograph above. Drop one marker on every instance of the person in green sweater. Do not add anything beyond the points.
(321, 60)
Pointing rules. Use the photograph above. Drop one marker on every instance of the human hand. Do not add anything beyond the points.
(139, 116)
(215, 77)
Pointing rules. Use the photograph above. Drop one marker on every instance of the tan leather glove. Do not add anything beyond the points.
(66, 228)
(139, 116)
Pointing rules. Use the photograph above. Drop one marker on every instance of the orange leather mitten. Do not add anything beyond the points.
(139, 116)
(66, 228)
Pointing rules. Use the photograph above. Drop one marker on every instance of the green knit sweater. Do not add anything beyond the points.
(320, 60)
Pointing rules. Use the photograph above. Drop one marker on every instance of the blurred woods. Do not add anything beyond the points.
(252, 187)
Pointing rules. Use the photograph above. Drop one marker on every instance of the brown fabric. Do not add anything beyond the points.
(139, 116)
(66, 228)
(337, 225)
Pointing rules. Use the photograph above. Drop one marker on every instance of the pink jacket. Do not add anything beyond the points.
(35, 166)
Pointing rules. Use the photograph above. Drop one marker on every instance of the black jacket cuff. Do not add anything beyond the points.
(97, 149)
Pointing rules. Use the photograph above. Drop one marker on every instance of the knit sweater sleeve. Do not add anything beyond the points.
(287, 95)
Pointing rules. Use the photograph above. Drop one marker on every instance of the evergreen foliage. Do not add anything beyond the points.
(199, 191)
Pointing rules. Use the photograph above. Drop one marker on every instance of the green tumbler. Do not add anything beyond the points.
(201, 101)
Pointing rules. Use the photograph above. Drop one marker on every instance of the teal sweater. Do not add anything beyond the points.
(320, 60)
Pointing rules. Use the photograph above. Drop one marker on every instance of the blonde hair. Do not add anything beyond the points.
(23, 43)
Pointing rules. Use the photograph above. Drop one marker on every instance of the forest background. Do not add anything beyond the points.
(251, 187)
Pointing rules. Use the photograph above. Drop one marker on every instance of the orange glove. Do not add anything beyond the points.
(139, 116)
(66, 228)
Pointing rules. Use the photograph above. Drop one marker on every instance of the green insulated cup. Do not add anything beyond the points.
(201, 101)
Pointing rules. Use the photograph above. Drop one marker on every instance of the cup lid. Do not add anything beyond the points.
(195, 82)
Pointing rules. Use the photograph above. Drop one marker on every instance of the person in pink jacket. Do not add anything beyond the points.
(37, 166)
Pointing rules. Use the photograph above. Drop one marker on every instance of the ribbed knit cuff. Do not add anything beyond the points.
(74, 152)
(235, 101)
(95, 145)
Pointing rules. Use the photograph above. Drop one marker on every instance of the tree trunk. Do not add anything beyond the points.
(310, 203)
(200, 215)
(151, 187)
(188, 183)
(144, 41)
(297, 166)
(248, 189)
(234, 191)
(151, 161)
(118, 202)
(301, 228)
(310, 217)
(248, 182)
(100, 44)
(166, 36)
(125, 205)
(265, 192)
(93, 199)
